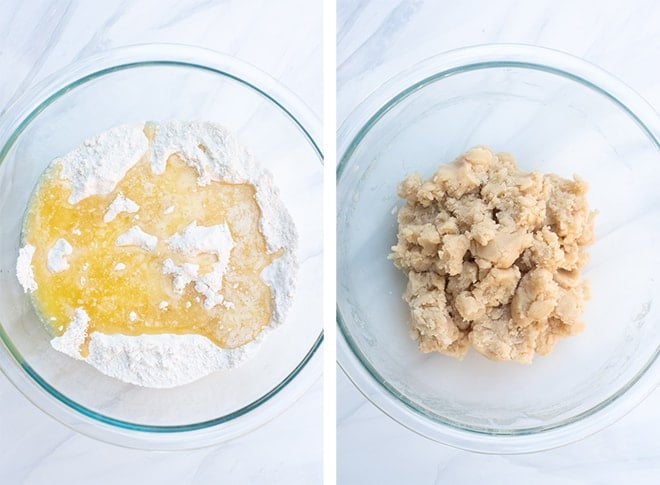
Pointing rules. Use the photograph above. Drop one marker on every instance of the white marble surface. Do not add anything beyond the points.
(281, 38)
(377, 39)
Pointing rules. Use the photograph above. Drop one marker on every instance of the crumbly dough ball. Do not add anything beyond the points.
(493, 257)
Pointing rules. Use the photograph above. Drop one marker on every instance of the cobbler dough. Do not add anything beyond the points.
(493, 257)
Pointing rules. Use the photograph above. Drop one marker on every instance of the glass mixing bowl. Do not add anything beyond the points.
(554, 113)
(163, 82)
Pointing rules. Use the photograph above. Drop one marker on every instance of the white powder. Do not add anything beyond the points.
(275, 222)
(195, 240)
(24, 271)
(97, 166)
(281, 279)
(135, 236)
(132, 316)
(163, 305)
(169, 360)
(160, 361)
(164, 360)
(119, 205)
(209, 148)
(210, 285)
(76, 334)
(183, 275)
(57, 256)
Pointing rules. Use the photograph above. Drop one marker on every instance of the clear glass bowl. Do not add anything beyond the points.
(162, 82)
(554, 113)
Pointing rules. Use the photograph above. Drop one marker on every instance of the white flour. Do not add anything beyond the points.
(135, 236)
(195, 240)
(75, 335)
(97, 166)
(24, 271)
(119, 205)
(168, 360)
(57, 256)
(210, 285)
(183, 275)
(164, 360)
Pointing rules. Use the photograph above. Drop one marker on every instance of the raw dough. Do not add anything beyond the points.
(493, 257)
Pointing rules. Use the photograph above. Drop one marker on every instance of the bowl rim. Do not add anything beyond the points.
(20, 114)
(354, 363)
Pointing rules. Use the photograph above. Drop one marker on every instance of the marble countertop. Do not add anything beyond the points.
(377, 39)
(42, 36)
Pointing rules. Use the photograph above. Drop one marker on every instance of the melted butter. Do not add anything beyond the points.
(111, 296)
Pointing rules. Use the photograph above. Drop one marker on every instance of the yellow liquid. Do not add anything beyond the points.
(109, 296)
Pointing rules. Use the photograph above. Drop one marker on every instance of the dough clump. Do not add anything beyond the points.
(493, 257)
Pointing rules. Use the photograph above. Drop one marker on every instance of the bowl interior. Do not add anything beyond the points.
(164, 91)
(551, 123)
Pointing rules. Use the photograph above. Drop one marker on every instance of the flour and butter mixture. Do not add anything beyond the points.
(158, 253)
(493, 257)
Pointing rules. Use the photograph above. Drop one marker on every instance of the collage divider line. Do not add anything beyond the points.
(329, 252)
